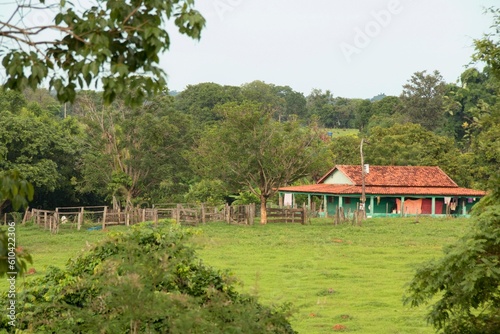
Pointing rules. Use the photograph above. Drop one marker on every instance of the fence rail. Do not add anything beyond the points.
(286, 215)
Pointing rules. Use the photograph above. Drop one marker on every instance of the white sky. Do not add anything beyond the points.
(354, 48)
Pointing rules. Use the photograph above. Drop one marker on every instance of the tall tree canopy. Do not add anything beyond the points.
(41, 146)
(251, 150)
(118, 42)
(422, 99)
(132, 154)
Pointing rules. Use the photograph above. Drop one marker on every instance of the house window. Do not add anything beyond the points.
(347, 200)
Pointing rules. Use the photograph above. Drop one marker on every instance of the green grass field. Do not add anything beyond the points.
(333, 275)
(343, 132)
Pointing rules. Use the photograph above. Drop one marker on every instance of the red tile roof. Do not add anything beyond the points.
(397, 176)
(380, 190)
(390, 180)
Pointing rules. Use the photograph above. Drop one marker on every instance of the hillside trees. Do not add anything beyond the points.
(41, 146)
(199, 100)
(116, 42)
(133, 155)
(250, 150)
(422, 99)
(411, 145)
(463, 103)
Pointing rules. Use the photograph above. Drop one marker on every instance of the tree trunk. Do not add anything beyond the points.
(263, 210)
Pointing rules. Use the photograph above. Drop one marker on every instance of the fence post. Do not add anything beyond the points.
(26, 213)
(251, 215)
(155, 216)
(104, 217)
(143, 215)
(56, 217)
(178, 214)
(80, 219)
(203, 220)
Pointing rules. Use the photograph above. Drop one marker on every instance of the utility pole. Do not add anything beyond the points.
(362, 206)
(363, 195)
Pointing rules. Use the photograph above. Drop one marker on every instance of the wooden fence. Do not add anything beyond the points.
(194, 213)
(240, 214)
(186, 214)
(286, 215)
(76, 216)
(355, 217)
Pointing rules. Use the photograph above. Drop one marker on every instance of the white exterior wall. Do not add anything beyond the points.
(337, 177)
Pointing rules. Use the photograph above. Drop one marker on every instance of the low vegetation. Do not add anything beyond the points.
(342, 278)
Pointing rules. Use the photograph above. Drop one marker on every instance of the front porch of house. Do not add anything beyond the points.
(383, 205)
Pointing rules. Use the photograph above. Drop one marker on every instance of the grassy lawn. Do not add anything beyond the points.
(333, 275)
(343, 132)
(344, 275)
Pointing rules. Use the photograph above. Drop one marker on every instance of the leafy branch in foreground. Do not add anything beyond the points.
(18, 191)
(466, 280)
(116, 41)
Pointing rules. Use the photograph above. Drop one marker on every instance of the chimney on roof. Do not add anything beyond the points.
(366, 168)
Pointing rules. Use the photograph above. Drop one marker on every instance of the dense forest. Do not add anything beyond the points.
(215, 143)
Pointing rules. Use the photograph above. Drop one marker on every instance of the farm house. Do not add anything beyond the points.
(389, 191)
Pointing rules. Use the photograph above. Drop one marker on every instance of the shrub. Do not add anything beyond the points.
(147, 280)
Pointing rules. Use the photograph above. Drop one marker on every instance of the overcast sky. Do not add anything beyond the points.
(354, 48)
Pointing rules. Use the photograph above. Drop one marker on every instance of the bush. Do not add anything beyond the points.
(147, 280)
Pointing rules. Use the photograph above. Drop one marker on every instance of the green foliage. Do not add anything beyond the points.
(488, 47)
(199, 101)
(207, 191)
(18, 192)
(346, 150)
(136, 154)
(144, 281)
(411, 145)
(333, 112)
(250, 150)
(244, 198)
(466, 279)
(422, 99)
(15, 189)
(44, 148)
(115, 41)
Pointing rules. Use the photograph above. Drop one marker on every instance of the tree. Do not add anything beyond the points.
(44, 148)
(422, 99)
(320, 105)
(133, 154)
(345, 150)
(115, 41)
(362, 115)
(199, 100)
(412, 145)
(488, 48)
(295, 103)
(266, 95)
(147, 280)
(18, 192)
(463, 102)
(463, 285)
(250, 150)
